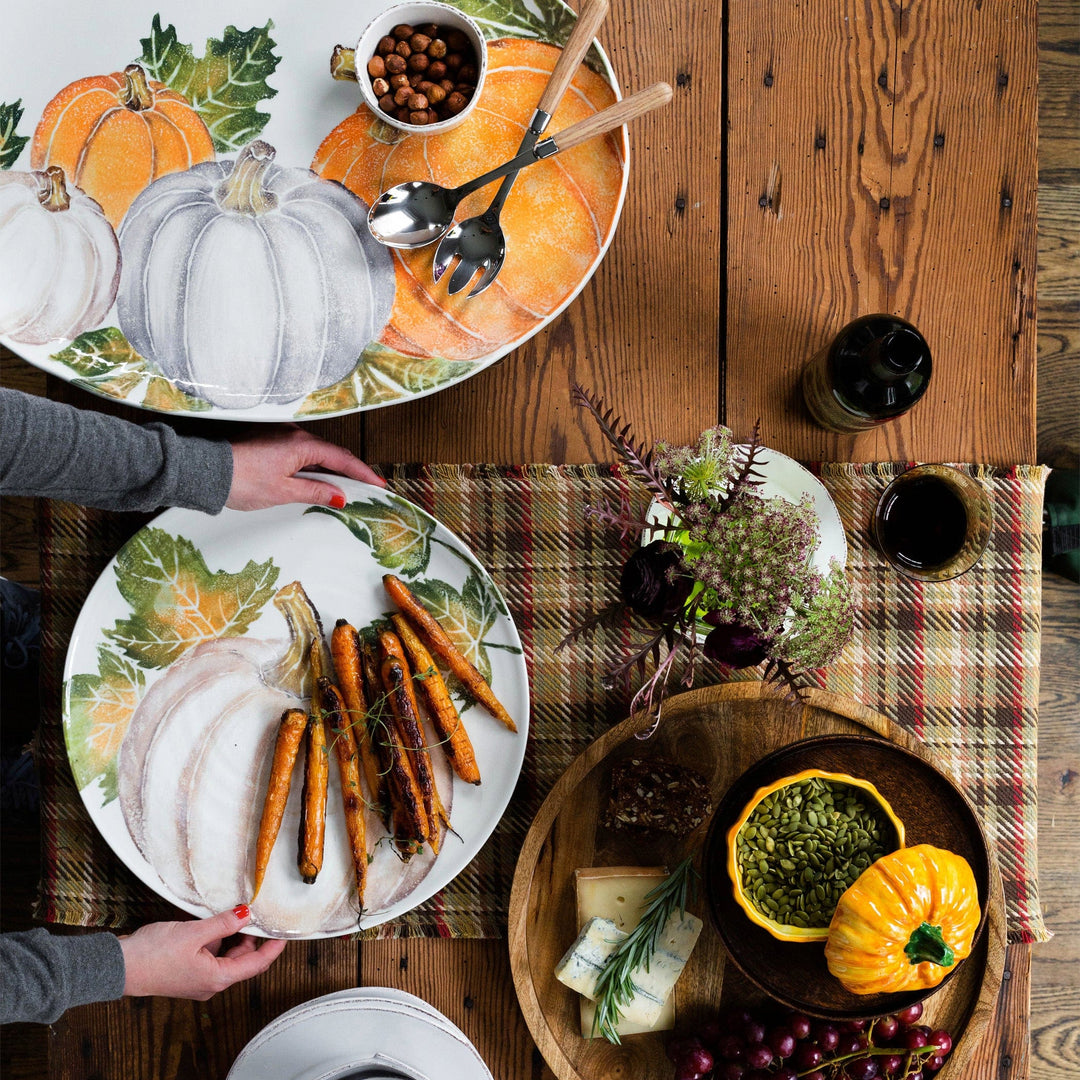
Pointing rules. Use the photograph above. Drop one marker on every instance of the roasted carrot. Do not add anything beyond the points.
(399, 692)
(333, 705)
(440, 644)
(441, 709)
(345, 647)
(309, 855)
(290, 734)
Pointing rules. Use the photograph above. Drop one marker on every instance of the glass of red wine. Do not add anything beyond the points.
(933, 522)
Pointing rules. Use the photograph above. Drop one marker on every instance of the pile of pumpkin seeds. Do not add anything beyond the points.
(805, 844)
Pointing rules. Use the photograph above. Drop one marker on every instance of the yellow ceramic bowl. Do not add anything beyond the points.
(784, 931)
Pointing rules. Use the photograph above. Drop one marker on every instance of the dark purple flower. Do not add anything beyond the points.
(735, 646)
(654, 581)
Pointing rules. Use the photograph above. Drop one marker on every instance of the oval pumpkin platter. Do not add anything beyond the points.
(184, 194)
(720, 732)
(184, 658)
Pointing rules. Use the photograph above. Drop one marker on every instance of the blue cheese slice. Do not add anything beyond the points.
(611, 901)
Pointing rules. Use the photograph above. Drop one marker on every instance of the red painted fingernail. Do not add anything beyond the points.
(337, 501)
(241, 911)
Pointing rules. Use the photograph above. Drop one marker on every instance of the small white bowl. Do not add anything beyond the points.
(417, 14)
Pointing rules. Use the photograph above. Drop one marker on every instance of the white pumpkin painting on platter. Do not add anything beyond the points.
(59, 259)
(251, 284)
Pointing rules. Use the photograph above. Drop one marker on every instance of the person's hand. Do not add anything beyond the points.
(264, 469)
(181, 959)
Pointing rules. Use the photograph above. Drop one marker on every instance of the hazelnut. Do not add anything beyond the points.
(420, 116)
(402, 114)
(387, 103)
(399, 80)
(467, 74)
(402, 95)
(385, 46)
(403, 48)
(437, 49)
(395, 64)
(418, 62)
(376, 67)
(455, 102)
(436, 95)
(415, 79)
(417, 102)
(428, 30)
(457, 40)
(403, 31)
(419, 42)
(453, 61)
(424, 85)
(436, 70)
(380, 87)
(447, 85)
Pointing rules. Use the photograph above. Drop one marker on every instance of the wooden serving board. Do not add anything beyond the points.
(720, 731)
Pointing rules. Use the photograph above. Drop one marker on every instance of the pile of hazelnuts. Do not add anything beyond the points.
(423, 74)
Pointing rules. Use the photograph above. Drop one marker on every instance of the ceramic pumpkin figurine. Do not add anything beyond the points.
(556, 221)
(59, 259)
(249, 283)
(115, 134)
(905, 922)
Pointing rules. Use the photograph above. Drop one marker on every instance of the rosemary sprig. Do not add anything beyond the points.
(615, 986)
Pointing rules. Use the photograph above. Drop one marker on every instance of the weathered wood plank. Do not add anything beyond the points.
(902, 140)
(644, 332)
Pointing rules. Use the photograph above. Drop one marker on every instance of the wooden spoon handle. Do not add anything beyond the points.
(622, 112)
(592, 14)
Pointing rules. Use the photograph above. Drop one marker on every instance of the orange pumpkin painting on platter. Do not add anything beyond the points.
(556, 221)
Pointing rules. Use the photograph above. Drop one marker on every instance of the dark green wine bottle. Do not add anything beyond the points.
(873, 371)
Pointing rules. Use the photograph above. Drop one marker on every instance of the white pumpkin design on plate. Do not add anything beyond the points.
(59, 259)
(248, 283)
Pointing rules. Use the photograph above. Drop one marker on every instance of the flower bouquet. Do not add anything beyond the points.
(728, 564)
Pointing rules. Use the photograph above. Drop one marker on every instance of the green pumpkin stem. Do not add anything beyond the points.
(136, 94)
(242, 190)
(293, 670)
(928, 943)
(52, 191)
(343, 63)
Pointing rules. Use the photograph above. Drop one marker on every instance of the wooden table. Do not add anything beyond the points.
(820, 160)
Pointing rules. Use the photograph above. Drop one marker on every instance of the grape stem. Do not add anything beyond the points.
(878, 1051)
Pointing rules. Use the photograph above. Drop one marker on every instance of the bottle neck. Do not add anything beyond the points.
(895, 354)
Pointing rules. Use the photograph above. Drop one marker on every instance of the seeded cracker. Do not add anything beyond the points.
(658, 795)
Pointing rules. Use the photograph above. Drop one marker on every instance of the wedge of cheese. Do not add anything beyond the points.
(611, 901)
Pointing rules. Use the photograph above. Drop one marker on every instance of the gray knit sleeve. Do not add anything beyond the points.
(43, 975)
(60, 452)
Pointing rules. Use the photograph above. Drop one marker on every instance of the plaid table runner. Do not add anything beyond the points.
(956, 663)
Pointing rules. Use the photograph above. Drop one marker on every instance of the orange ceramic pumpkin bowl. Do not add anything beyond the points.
(114, 135)
(556, 221)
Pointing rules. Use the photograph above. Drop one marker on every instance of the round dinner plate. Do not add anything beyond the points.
(278, 308)
(357, 1029)
(177, 674)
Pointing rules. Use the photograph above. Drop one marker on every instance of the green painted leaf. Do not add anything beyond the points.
(544, 20)
(109, 365)
(466, 616)
(383, 375)
(11, 145)
(398, 533)
(99, 709)
(176, 600)
(225, 85)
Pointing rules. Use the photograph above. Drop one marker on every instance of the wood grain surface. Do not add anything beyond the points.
(719, 731)
(650, 332)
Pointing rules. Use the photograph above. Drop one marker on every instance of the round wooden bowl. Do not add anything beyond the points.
(933, 811)
(720, 731)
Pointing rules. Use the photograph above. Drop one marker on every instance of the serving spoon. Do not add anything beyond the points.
(418, 212)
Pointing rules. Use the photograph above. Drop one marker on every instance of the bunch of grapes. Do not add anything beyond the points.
(743, 1046)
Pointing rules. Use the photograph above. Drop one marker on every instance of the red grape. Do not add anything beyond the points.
(731, 1048)
(885, 1029)
(913, 1039)
(735, 1020)
(918, 1074)
(733, 1070)
(697, 1058)
(786, 1072)
(754, 1031)
(710, 1032)
(942, 1040)
(799, 1024)
(781, 1042)
(807, 1056)
(680, 1046)
(826, 1036)
(854, 1025)
(817, 1074)
(759, 1056)
(758, 1074)
(933, 1063)
(685, 1071)
(850, 1043)
(862, 1069)
(891, 1064)
(911, 1014)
